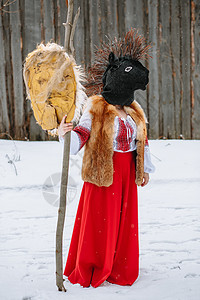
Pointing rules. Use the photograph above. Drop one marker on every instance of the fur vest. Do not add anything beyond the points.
(97, 167)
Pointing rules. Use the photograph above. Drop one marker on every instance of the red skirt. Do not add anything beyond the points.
(104, 244)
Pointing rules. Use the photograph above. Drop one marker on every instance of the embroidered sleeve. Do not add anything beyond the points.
(148, 166)
(81, 133)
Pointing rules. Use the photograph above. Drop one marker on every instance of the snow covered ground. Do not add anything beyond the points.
(169, 215)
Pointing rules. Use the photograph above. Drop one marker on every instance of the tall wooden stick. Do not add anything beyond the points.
(64, 179)
(61, 213)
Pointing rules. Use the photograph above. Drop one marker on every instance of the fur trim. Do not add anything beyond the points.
(137, 114)
(97, 166)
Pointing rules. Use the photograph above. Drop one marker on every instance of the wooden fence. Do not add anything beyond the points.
(172, 99)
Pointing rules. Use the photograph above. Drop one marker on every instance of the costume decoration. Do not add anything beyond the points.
(97, 166)
(105, 244)
(117, 65)
(124, 139)
(53, 84)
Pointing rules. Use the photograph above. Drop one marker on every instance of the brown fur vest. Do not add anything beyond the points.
(97, 164)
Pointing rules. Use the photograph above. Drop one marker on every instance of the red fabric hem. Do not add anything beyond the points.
(104, 244)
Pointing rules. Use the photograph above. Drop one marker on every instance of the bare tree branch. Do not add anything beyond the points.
(7, 3)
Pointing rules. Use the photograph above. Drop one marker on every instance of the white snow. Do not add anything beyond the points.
(169, 217)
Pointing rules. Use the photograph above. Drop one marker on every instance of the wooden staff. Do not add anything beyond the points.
(68, 45)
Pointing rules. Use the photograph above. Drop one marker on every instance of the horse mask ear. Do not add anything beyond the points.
(112, 58)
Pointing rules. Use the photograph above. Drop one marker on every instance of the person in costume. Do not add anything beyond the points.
(104, 243)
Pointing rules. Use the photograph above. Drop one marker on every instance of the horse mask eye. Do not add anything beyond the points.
(128, 69)
(122, 77)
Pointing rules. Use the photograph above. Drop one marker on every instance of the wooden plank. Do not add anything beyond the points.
(63, 18)
(48, 20)
(131, 14)
(103, 22)
(176, 68)
(15, 27)
(60, 17)
(141, 15)
(144, 30)
(121, 17)
(134, 18)
(36, 132)
(87, 45)
(79, 34)
(134, 15)
(31, 31)
(103, 15)
(153, 68)
(4, 119)
(94, 36)
(185, 65)
(28, 36)
(195, 7)
(55, 19)
(31, 35)
(27, 106)
(166, 95)
(112, 29)
(8, 69)
(58, 23)
(99, 21)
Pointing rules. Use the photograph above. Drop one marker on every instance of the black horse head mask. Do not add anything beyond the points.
(122, 77)
(117, 69)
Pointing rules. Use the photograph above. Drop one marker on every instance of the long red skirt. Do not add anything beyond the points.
(104, 244)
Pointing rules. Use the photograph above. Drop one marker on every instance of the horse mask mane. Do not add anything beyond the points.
(117, 71)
